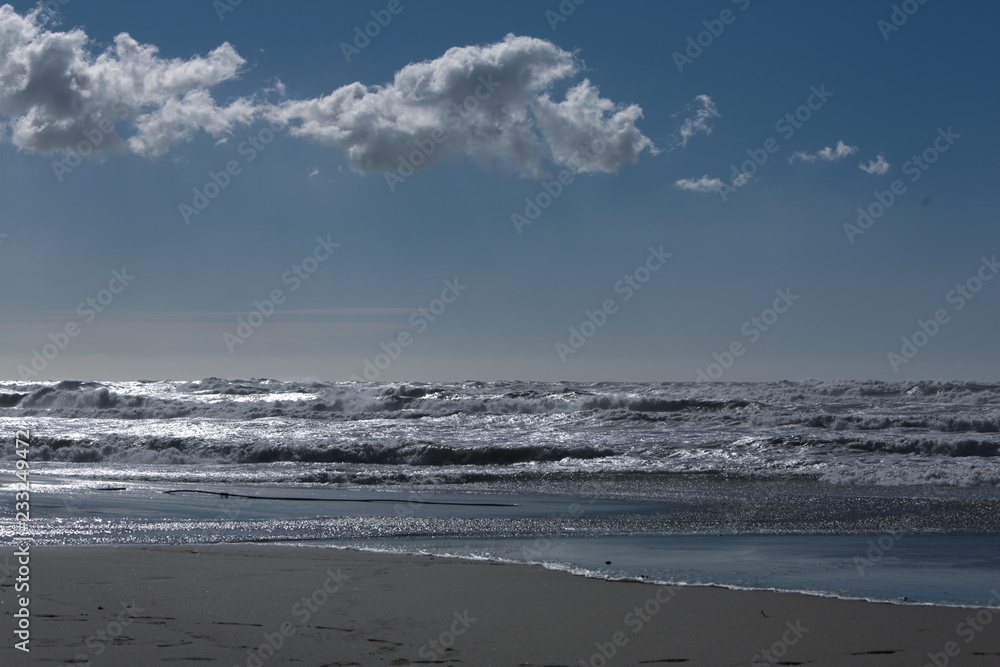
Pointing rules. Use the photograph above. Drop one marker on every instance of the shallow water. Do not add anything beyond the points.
(873, 543)
(938, 569)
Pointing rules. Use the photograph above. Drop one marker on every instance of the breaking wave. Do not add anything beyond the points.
(842, 432)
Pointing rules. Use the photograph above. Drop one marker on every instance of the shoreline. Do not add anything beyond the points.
(257, 604)
(587, 574)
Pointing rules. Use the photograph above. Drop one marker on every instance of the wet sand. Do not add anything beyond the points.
(268, 605)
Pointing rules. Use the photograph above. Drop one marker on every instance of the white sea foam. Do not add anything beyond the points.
(882, 433)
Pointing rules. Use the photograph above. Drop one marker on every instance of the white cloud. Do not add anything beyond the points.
(490, 102)
(313, 173)
(878, 166)
(703, 184)
(178, 119)
(705, 110)
(827, 154)
(57, 93)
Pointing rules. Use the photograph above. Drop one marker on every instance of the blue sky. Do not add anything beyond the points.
(186, 94)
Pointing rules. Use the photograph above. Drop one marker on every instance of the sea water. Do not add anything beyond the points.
(857, 489)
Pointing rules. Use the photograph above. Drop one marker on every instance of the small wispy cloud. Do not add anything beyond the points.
(703, 184)
(704, 110)
(313, 173)
(827, 154)
(878, 167)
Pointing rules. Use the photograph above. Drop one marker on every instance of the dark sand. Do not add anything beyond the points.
(147, 605)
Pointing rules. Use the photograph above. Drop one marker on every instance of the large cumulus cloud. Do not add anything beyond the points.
(489, 102)
(514, 102)
(57, 93)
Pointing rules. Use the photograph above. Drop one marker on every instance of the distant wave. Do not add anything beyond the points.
(326, 401)
(158, 449)
(860, 432)
(864, 406)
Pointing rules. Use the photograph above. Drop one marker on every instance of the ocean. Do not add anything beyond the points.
(857, 489)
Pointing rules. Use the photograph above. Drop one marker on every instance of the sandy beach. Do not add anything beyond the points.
(260, 604)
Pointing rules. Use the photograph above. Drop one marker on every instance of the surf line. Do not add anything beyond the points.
(222, 494)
